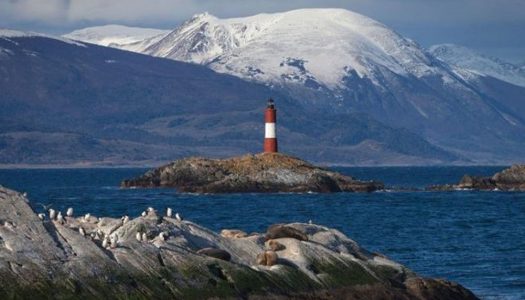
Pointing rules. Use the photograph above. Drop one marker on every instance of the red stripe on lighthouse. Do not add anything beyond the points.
(270, 118)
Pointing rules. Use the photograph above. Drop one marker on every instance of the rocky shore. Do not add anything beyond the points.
(261, 173)
(160, 255)
(511, 179)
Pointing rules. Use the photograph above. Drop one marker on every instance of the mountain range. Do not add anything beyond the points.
(349, 90)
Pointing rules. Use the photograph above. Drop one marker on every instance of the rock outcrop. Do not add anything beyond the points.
(154, 256)
(511, 179)
(265, 173)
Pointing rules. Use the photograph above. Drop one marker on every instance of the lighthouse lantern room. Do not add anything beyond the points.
(270, 118)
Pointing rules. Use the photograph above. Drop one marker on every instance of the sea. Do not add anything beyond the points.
(474, 238)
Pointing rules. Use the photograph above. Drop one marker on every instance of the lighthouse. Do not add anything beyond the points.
(270, 117)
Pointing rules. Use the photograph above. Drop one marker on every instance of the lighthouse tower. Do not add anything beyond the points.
(270, 117)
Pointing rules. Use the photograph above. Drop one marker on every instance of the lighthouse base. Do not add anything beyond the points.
(270, 145)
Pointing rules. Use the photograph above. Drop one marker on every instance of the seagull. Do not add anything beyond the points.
(60, 218)
(41, 216)
(144, 214)
(52, 214)
(105, 243)
(81, 231)
(113, 240)
(69, 212)
(138, 236)
(162, 236)
(24, 194)
(125, 219)
(169, 212)
(178, 217)
(310, 222)
(87, 216)
(144, 236)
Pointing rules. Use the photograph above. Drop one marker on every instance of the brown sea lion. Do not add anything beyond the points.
(277, 231)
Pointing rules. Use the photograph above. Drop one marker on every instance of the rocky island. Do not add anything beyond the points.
(156, 255)
(263, 173)
(511, 179)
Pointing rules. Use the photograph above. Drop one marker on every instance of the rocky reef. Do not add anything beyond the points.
(511, 179)
(160, 256)
(262, 173)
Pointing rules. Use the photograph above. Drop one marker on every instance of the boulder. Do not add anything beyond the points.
(511, 179)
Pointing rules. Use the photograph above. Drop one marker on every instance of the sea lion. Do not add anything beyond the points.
(233, 233)
(277, 231)
(215, 253)
(267, 258)
(275, 245)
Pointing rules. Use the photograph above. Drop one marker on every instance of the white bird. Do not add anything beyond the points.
(162, 236)
(150, 210)
(52, 214)
(60, 218)
(86, 217)
(125, 219)
(144, 236)
(41, 216)
(113, 240)
(310, 222)
(105, 243)
(81, 231)
(138, 236)
(169, 212)
(178, 217)
(24, 195)
(144, 214)
(69, 212)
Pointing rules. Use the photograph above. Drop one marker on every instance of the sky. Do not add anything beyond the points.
(493, 27)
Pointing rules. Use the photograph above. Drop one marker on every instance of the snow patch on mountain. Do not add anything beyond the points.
(471, 61)
(114, 35)
(8, 34)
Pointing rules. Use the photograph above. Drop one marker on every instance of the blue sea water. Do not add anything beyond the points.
(474, 238)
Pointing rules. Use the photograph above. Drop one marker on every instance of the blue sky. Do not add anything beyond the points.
(494, 27)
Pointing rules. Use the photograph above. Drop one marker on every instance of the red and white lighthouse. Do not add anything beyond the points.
(270, 117)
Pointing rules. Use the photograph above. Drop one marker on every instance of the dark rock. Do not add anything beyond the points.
(511, 179)
(215, 253)
(266, 172)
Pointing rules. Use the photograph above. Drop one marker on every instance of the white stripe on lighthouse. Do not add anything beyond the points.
(269, 130)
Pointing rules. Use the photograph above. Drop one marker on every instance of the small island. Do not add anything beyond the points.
(163, 256)
(511, 179)
(259, 173)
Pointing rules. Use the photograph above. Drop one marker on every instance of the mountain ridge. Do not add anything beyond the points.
(66, 104)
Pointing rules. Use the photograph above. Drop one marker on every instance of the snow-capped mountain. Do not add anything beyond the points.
(338, 61)
(114, 35)
(316, 46)
(463, 58)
